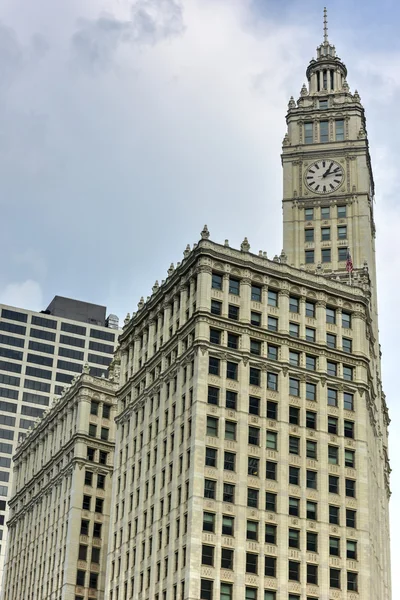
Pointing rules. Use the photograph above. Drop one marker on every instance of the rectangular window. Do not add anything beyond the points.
(231, 370)
(311, 449)
(270, 501)
(349, 429)
(272, 352)
(308, 133)
(342, 233)
(309, 235)
(342, 212)
(333, 484)
(272, 298)
(254, 436)
(350, 488)
(229, 461)
(209, 522)
(333, 455)
(270, 533)
(294, 304)
(213, 365)
(350, 458)
(215, 336)
(207, 555)
(325, 212)
(294, 415)
(310, 309)
(334, 515)
(272, 440)
(294, 538)
(331, 315)
(351, 550)
(326, 255)
(342, 254)
(311, 419)
(332, 425)
(251, 562)
(256, 293)
(255, 376)
(230, 430)
(339, 130)
(13, 315)
(254, 405)
(231, 400)
(325, 234)
(255, 319)
(234, 286)
(233, 341)
(312, 542)
(270, 566)
(311, 510)
(346, 320)
(311, 362)
(216, 307)
(209, 488)
(272, 381)
(294, 507)
(334, 578)
(348, 401)
(294, 330)
(323, 104)
(331, 340)
(308, 214)
(311, 391)
(213, 395)
(226, 591)
(347, 373)
(252, 530)
(226, 558)
(211, 457)
(347, 345)
(252, 498)
(309, 257)
(310, 334)
(253, 466)
(294, 445)
(324, 131)
(216, 281)
(272, 324)
(294, 570)
(255, 347)
(294, 387)
(331, 368)
(271, 470)
(233, 312)
(212, 426)
(351, 518)
(294, 475)
(311, 479)
(227, 525)
(334, 546)
(228, 494)
(332, 397)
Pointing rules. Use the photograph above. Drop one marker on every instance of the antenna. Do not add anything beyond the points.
(325, 25)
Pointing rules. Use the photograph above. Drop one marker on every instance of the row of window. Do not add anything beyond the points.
(326, 255)
(104, 431)
(323, 131)
(254, 436)
(81, 579)
(98, 504)
(95, 409)
(325, 213)
(309, 234)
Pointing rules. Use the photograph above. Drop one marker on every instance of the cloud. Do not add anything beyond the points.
(149, 22)
(25, 294)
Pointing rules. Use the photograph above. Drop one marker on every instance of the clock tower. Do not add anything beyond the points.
(328, 187)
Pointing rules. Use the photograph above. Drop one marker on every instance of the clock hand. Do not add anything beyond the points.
(328, 171)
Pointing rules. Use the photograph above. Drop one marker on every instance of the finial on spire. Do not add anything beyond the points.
(325, 25)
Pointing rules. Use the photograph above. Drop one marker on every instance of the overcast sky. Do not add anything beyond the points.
(125, 126)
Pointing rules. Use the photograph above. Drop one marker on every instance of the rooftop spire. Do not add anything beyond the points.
(325, 26)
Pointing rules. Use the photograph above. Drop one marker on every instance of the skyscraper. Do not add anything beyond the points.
(252, 423)
(40, 353)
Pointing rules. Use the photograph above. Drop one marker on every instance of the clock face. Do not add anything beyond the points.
(324, 176)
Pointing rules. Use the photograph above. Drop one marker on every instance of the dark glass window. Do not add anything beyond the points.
(308, 214)
(333, 484)
(294, 387)
(213, 395)
(231, 400)
(206, 589)
(233, 341)
(271, 470)
(334, 578)
(311, 510)
(324, 130)
(312, 542)
(272, 410)
(253, 466)
(254, 405)
(255, 377)
(215, 336)
(42, 322)
(8, 340)
(64, 378)
(350, 488)
(72, 341)
(34, 372)
(309, 256)
(209, 488)
(99, 360)
(272, 298)
(209, 522)
(212, 426)
(71, 328)
(272, 381)
(325, 234)
(69, 366)
(256, 293)
(252, 497)
(255, 319)
(331, 315)
(251, 562)
(13, 328)
(348, 401)
(294, 304)
(40, 360)
(13, 315)
(231, 370)
(332, 425)
(272, 324)
(308, 133)
(312, 574)
(347, 345)
(294, 570)
(270, 566)
(216, 281)
(347, 373)
(70, 353)
(10, 367)
(294, 475)
(233, 312)
(331, 340)
(102, 335)
(349, 429)
(311, 391)
(294, 507)
(213, 365)
(294, 415)
(310, 309)
(270, 533)
(226, 558)
(334, 514)
(229, 461)
(216, 307)
(234, 286)
(207, 555)
(294, 538)
(272, 352)
(228, 493)
(309, 235)
(9, 353)
(270, 501)
(43, 335)
(39, 347)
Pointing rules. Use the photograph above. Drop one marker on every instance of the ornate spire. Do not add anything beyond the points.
(325, 26)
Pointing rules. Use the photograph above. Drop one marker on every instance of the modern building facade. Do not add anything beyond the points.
(40, 354)
(251, 445)
(60, 508)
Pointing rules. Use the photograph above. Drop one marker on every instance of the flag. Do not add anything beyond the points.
(349, 262)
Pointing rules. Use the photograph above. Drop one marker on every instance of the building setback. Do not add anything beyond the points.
(40, 354)
(59, 511)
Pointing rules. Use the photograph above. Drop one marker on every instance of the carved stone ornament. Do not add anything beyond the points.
(292, 103)
(205, 234)
(286, 141)
(304, 90)
(141, 303)
(245, 246)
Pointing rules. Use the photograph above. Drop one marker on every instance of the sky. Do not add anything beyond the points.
(126, 125)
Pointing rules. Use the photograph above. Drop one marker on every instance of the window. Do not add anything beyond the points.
(106, 411)
(331, 315)
(253, 467)
(272, 324)
(233, 341)
(308, 214)
(294, 330)
(270, 566)
(294, 415)
(326, 255)
(213, 365)
(294, 570)
(86, 502)
(251, 562)
(349, 429)
(311, 478)
(334, 513)
(213, 395)
(212, 426)
(272, 352)
(209, 522)
(206, 589)
(342, 212)
(215, 336)
(207, 555)
(255, 377)
(347, 345)
(231, 370)
(272, 381)
(294, 475)
(233, 312)
(270, 470)
(254, 404)
(351, 550)
(104, 433)
(294, 445)
(216, 282)
(325, 212)
(347, 373)
(84, 527)
(312, 574)
(216, 307)
(226, 591)
(227, 525)
(311, 449)
(325, 234)
(333, 455)
(272, 298)
(231, 400)
(230, 430)
(311, 510)
(351, 518)
(349, 458)
(346, 320)
(324, 131)
(229, 461)
(209, 488)
(234, 286)
(348, 401)
(82, 552)
(294, 387)
(226, 558)
(309, 235)
(228, 493)
(332, 397)
(211, 457)
(92, 430)
(311, 391)
(312, 542)
(311, 362)
(309, 257)
(97, 530)
(256, 293)
(310, 334)
(270, 533)
(339, 130)
(334, 578)
(252, 497)
(333, 484)
(254, 436)
(294, 538)
(352, 581)
(308, 133)
(342, 235)
(255, 318)
(334, 546)
(252, 530)
(294, 304)
(88, 478)
(255, 347)
(272, 410)
(310, 309)
(350, 488)
(331, 368)
(270, 501)
(294, 507)
(331, 340)
(80, 578)
(332, 425)
(98, 507)
(272, 440)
